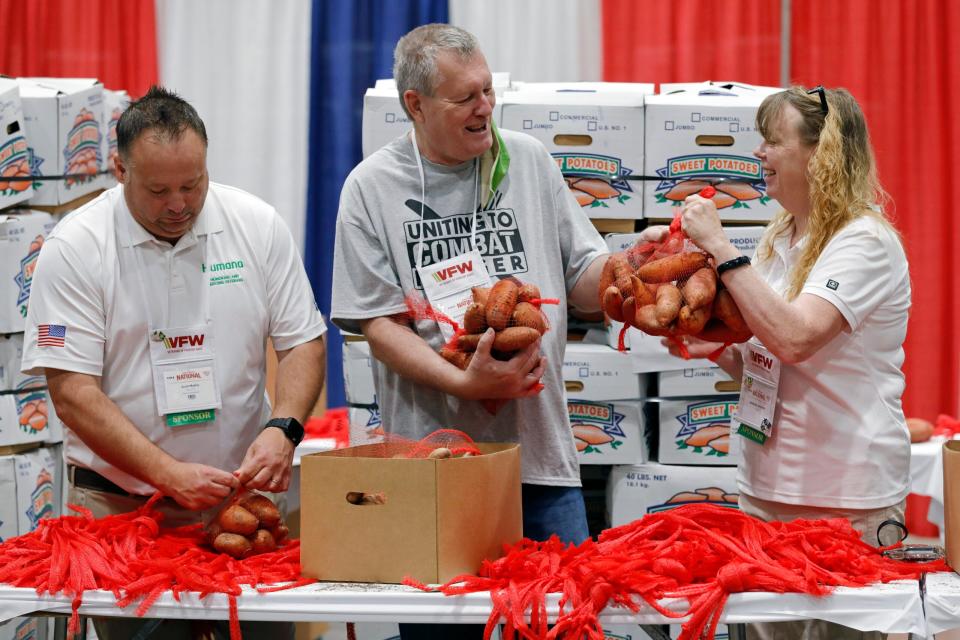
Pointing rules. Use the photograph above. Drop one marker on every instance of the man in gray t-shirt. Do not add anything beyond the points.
(523, 221)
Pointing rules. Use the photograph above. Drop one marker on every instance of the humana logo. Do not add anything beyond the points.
(223, 266)
(178, 342)
(451, 271)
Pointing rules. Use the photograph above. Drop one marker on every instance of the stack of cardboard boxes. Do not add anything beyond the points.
(57, 138)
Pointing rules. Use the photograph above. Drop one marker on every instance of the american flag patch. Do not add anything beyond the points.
(51, 335)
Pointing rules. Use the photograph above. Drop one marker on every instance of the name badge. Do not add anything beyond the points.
(448, 286)
(184, 374)
(189, 387)
(758, 393)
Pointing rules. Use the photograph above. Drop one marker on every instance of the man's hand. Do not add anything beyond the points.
(197, 486)
(488, 378)
(267, 464)
(696, 347)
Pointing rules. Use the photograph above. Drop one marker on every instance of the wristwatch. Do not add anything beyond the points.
(291, 428)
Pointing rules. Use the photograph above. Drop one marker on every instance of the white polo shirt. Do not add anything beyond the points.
(88, 281)
(840, 438)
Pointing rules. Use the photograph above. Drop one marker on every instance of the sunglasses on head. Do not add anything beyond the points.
(819, 90)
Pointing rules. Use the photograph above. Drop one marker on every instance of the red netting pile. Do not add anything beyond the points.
(442, 443)
(946, 426)
(700, 553)
(132, 556)
(670, 289)
(334, 423)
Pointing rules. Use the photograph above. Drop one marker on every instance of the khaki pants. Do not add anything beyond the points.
(105, 504)
(865, 521)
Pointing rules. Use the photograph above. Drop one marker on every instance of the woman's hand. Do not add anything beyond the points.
(701, 222)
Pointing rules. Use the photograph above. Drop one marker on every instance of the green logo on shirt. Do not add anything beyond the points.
(228, 272)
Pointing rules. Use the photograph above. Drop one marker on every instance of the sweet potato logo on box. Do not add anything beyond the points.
(705, 427)
(712, 495)
(31, 402)
(41, 499)
(593, 179)
(82, 154)
(686, 175)
(14, 163)
(595, 424)
(112, 151)
(23, 279)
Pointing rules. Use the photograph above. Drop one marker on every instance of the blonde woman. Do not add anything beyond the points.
(827, 299)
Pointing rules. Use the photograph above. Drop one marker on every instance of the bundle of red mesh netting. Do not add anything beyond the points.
(132, 556)
(698, 553)
(669, 288)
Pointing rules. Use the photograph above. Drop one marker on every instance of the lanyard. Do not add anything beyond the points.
(205, 293)
(423, 200)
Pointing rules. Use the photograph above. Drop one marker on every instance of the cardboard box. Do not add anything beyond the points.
(24, 629)
(636, 632)
(597, 372)
(697, 132)
(14, 149)
(384, 119)
(9, 522)
(365, 425)
(608, 432)
(634, 491)
(65, 130)
(595, 134)
(28, 480)
(951, 502)
(700, 381)
(114, 104)
(22, 234)
(697, 431)
(26, 414)
(358, 373)
(441, 518)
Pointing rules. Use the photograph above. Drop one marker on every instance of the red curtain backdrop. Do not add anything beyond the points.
(900, 59)
(691, 40)
(112, 40)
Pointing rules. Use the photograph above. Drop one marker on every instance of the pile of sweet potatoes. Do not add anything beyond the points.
(511, 309)
(670, 295)
(249, 525)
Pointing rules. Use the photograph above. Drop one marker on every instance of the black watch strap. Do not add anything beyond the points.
(739, 261)
(291, 428)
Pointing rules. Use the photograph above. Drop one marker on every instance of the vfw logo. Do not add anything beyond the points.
(594, 179)
(453, 271)
(187, 342)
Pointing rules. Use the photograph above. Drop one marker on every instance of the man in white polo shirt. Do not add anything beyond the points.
(150, 312)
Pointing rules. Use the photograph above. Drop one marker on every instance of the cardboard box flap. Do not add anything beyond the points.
(711, 94)
(62, 85)
(580, 98)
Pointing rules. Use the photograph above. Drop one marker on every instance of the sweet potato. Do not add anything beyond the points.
(500, 304)
(263, 508)
(515, 338)
(629, 309)
(612, 303)
(716, 331)
(280, 533)
(703, 435)
(645, 319)
(591, 434)
(668, 304)
(480, 294)
(236, 519)
(440, 453)
(690, 322)
(621, 274)
(644, 293)
(459, 359)
(475, 318)
(232, 544)
(212, 531)
(675, 267)
(527, 315)
(607, 278)
(725, 310)
(467, 342)
(700, 289)
(528, 292)
(263, 542)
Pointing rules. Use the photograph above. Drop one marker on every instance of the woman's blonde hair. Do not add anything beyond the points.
(842, 172)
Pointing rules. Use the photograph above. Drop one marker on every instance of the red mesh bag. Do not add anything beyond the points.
(670, 289)
(248, 524)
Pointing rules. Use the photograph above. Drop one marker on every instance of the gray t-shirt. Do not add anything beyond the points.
(532, 228)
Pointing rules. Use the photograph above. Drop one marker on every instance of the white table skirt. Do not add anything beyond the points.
(942, 602)
(891, 608)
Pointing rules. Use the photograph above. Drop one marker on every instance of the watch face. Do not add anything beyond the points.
(291, 427)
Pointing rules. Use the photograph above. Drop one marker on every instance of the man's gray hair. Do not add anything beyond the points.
(415, 57)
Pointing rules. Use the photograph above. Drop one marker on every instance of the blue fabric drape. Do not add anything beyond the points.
(352, 46)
